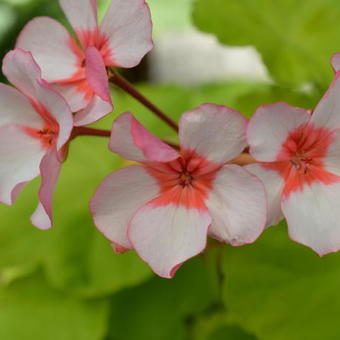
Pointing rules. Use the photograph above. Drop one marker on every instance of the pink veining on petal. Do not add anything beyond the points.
(185, 181)
(300, 161)
(78, 79)
(96, 73)
(100, 41)
(48, 135)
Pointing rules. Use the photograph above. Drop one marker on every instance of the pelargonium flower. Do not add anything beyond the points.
(79, 72)
(299, 155)
(165, 207)
(35, 124)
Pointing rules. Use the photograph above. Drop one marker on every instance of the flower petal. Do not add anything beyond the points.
(82, 15)
(20, 156)
(335, 61)
(273, 184)
(269, 128)
(49, 169)
(16, 109)
(127, 26)
(117, 199)
(95, 110)
(132, 141)
(165, 236)
(237, 205)
(326, 114)
(23, 72)
(312, 217)
(51, 46)
(96, 74)
(78, 94)
(331, 160)
(214, 132)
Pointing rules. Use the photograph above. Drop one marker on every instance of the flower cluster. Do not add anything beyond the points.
(166, 205)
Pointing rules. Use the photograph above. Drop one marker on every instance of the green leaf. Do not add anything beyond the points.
(280, 290)
(21, 245)
(230, 332)
(30, 309)
(295, 38)
(162, 309)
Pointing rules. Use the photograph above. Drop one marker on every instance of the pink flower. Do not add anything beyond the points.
(79, 73)
(299, 153)
(165, 208)
(35, 124)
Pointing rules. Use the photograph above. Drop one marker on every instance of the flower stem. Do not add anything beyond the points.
(121, 82)
(86, 131)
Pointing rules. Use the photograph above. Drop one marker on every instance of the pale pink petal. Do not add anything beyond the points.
(167, 235)
(331, 160)
(82, 15)
(59, 110)
(127, 26)
(335, 61)
(16, 191)
(51, 46)
(238, 207)
(49, 169)
(214, 132)
(20, 156)
(269, 128)
(326, 114)
(23, 72)
(96, 73)
(16, 109)
(116, 200)
(132, 141)
(95, 110)
(273, 184)
(40, 218)
(312, 216)
(75, 98)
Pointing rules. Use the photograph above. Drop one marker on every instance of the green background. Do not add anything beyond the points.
(68, 284)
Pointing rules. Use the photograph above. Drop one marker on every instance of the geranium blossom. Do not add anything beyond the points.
(79, 72)
(165, 207)
(35, 124)
(299, 153)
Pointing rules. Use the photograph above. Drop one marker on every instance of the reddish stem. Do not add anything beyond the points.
(121, 82)
(86, 131)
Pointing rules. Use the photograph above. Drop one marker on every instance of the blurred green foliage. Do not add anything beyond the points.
(295, 38)
(67, 283)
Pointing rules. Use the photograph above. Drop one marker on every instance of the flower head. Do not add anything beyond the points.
(299, 162)
(78, 71)
(165, 207)
(35, 124)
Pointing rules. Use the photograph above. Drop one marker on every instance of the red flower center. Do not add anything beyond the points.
(185, 181)
(78, 79)
(300, 161)
(48, 135)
